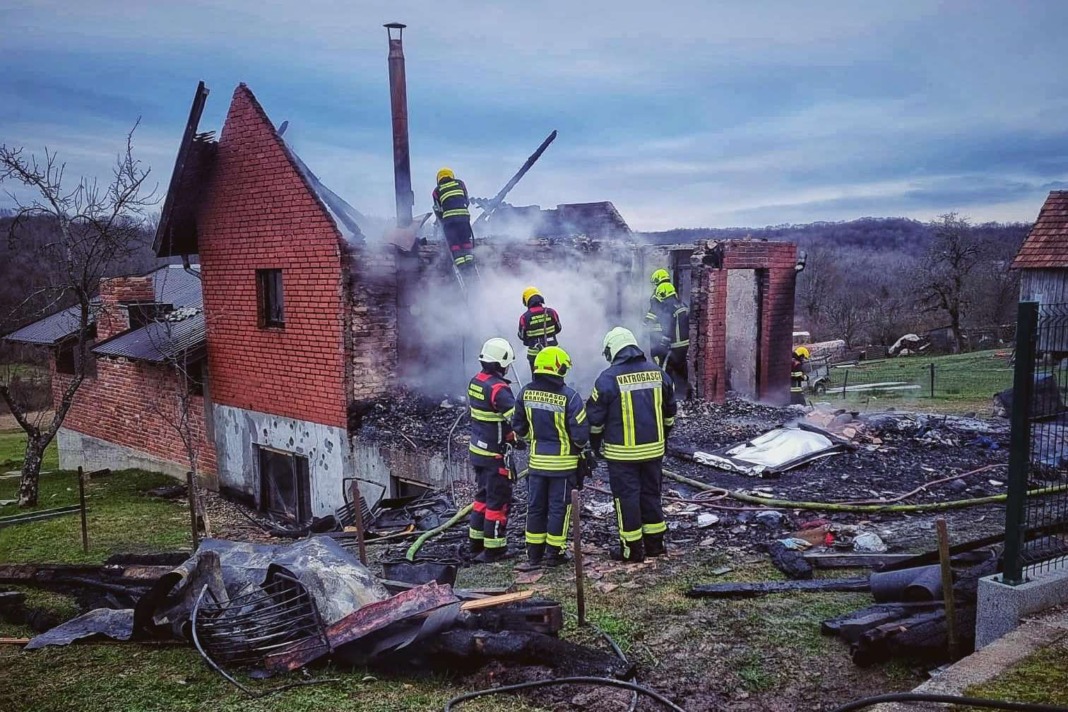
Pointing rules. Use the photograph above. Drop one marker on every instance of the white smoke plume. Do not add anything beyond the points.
(585, 292)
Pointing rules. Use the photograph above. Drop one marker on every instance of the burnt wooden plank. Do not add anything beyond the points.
(761, 588)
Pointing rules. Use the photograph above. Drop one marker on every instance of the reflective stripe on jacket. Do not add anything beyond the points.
(450, 199)
(550, 415)
(491, 406)
(669, 321)
(538, 327)
(632, 407)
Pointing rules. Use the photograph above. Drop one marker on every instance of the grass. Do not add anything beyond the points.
(122, 518)
(963, 382)
(13, 448)
(1041, 678)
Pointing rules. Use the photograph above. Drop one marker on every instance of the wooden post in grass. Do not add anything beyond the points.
(193, 510)
(81, 504)
(580, 590)
(947, 586)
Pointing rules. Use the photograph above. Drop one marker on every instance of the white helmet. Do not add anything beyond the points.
(498, 351)
(615, 340)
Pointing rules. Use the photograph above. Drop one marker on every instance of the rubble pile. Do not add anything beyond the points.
(408, 415)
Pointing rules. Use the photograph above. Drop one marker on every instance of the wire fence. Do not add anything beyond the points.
(1036, 517)
(958, 382)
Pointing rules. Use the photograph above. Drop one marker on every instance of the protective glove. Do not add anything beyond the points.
(596, 441)
(519, 444)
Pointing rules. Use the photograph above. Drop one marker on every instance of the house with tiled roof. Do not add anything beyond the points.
(1043, 258)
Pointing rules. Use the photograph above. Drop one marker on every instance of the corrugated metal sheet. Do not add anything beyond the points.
(51, 329)
(159, 342)
(172, 284)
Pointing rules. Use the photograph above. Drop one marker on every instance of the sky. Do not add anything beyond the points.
(685, 113)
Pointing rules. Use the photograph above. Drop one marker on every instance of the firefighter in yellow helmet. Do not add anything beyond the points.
(798, 364)
(631, 412)
(451, 206)
(668, 326)
(549, 415)
(538, 326)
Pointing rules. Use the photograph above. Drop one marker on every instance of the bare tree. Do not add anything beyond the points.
(95, 227)
(944, 274)
(179, 394)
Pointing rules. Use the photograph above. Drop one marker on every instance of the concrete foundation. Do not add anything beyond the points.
(240, 433)
(377, 463)
(81, 450)
(1002, 607)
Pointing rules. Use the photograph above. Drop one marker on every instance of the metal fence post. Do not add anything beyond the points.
(932, 378)
(1020, 442)
(845, 385)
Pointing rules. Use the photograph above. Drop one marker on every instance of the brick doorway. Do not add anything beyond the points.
(285, 486)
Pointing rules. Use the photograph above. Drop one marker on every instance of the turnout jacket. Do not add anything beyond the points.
(491, 404)
(668, 322)
(550, 415)
(539, 326)
(632, 408)
(450, 199)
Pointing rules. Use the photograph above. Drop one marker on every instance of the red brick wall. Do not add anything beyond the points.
(260, 214)
(114, 292)
(708, 323)
(136, 405)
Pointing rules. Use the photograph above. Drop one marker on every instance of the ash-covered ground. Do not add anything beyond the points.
(892, 453)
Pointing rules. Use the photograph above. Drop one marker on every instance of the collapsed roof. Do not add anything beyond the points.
(595, 220)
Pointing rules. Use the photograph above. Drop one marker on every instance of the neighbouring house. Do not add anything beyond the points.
(296, 318)
(1043, 257)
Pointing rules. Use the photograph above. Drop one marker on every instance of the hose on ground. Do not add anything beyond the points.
(949, 699)
(602, 681)
(770, 503)
(425, 536)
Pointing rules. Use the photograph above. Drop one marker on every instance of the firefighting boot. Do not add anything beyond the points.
(556, 557)
(476, 546)
(632, 553)
(654, 545)
(535, 554)
(490, 556)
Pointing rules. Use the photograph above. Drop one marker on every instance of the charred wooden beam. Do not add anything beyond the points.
(762, 588)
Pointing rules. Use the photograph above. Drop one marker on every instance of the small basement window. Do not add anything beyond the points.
(270, 298)
(285, 486)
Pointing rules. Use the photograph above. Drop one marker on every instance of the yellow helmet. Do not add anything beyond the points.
(802, 352)
(552, 360)
(665, 291)
(445, 173)
(659, 277)
(616, 340)
(528, 293)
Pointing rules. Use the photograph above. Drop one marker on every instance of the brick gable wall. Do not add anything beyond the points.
(260, 214)
(135, 405)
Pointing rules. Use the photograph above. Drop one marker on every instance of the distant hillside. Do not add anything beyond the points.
(901, 235)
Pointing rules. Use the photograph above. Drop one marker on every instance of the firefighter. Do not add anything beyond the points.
(491, 407)
(797, 375)
(669, 335)
(631, 413)
(550, 415)
(538, 326)
(451, 209)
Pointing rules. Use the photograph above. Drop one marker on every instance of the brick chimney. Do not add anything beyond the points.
(114, 292)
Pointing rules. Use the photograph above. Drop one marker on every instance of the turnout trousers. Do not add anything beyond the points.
(461, 240)
(678, 370)
(489, 513)
(549, 509)
(639, 511)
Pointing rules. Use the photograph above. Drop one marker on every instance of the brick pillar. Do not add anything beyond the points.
(114, 292)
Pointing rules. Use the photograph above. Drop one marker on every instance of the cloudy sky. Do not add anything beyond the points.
(683, 113)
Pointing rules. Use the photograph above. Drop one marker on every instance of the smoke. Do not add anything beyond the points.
(592, 293)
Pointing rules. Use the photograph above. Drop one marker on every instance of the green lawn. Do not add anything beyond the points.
(1040, 678)
(962, 382)
(13, 449)
(122, 518)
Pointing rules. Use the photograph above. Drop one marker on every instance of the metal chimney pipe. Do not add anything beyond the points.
(398, 93)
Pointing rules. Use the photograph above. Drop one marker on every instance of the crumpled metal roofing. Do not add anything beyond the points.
(172, 284)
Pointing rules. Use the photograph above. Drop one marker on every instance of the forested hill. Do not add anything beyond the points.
(901, 235)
